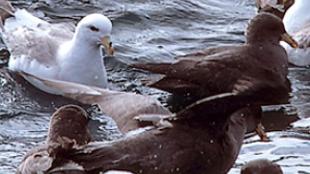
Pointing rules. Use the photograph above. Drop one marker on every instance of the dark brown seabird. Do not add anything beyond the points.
(67, 131)
(256, 70)
(205, 137)
(69, 122)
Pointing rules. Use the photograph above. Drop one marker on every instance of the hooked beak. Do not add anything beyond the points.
(288, 39)
(107, 44)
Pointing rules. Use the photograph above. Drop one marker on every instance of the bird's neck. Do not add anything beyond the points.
(84, 53)
(83, 63)
(262, 40)
(84, 48)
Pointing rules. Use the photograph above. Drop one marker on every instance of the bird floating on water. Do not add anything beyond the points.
(54, 51)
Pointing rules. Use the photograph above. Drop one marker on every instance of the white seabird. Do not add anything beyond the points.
(54, 51)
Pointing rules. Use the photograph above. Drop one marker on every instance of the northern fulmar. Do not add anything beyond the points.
(54, 51)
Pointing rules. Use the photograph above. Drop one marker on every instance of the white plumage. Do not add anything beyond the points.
(54, 51)
(297, 23)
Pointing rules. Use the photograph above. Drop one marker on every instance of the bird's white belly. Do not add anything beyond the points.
(87, 75)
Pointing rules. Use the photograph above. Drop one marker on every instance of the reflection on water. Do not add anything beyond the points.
(154, 30)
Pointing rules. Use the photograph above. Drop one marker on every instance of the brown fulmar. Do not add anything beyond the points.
(67, 131)
(202, 139)
(257, 69)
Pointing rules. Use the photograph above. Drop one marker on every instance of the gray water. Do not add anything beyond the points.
(151, 30)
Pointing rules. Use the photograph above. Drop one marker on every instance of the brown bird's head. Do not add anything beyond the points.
(266, 27)
(69, 125)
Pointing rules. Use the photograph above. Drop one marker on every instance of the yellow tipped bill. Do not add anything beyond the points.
(107, 44)
(288, 39)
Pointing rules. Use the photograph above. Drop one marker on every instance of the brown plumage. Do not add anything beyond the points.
(69, 121)
(203, 139)
(257, 69)
(67, 131)
(200, 141)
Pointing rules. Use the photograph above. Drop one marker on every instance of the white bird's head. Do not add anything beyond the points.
(96, 30)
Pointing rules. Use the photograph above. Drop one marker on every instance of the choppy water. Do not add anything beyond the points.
(154, 30)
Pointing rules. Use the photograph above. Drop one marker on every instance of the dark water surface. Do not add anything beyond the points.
(155, 30)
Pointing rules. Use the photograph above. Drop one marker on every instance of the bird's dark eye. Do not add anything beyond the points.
(93, 28)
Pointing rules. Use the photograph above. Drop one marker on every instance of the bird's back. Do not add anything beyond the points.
(33, 43)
